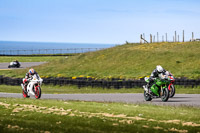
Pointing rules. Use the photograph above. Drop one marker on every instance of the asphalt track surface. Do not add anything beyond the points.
(4, 66)
(137, 98)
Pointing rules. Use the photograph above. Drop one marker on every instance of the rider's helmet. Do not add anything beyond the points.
(159, 69)
(167, 73)
(31, 71)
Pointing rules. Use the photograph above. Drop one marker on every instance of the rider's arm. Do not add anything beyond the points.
(154, 74)
(37, 74)
(164, 71)
(26, 76)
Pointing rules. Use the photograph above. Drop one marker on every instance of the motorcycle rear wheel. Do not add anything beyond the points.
(147, 97)
(38, 92)
(172, 91)
(165, 95)
(25, 95)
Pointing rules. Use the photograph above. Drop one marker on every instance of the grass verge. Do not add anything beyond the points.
(50, 89)
(45, 116)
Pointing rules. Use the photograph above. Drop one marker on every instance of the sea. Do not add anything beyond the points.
(30, 48)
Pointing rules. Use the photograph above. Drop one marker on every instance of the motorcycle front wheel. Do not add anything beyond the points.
(38, 92)
(147, 97)
(165, 95)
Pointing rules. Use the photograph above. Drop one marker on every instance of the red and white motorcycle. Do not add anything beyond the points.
(33, 87)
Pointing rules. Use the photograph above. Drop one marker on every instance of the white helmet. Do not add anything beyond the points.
(159, 68)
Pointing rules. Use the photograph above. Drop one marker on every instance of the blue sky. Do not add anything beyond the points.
(96, 21)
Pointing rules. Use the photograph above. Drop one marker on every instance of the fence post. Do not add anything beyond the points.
(178, 38)
(175, 36)
(192, 36)
(141, 39)
(150, 38)
(166, 36)
(183, 36)
(157, 37)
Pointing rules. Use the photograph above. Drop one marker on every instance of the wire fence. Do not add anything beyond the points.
(176, 37)
(48, 51)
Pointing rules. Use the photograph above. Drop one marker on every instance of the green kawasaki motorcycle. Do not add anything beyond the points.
(159, 89)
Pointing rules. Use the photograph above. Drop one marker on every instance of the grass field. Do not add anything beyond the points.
(7, 59)
(49, 89)
(125, 61)
(45, 116)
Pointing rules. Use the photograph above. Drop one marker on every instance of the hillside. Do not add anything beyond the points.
(125, 61)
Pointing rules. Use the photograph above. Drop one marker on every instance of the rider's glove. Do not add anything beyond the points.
(25, 80)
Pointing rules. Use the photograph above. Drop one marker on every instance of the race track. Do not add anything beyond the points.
(4, 66)
(178, 100)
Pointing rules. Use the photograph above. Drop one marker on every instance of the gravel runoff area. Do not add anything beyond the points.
(177, 100)
(23, 65)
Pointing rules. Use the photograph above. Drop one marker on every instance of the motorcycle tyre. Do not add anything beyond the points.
(25, 94)
(38, 93)
(172, 91)
(147, 97)
(166, 93)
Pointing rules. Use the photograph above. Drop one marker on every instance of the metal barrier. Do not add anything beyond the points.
(84, 82)
(47, 51)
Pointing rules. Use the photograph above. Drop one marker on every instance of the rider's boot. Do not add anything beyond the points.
(145, 88)
(150, 84)
(149, 88)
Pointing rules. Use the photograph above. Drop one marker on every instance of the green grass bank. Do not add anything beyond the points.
(125, 61)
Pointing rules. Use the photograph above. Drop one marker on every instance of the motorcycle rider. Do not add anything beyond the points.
(29, 76)
(155, 74)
